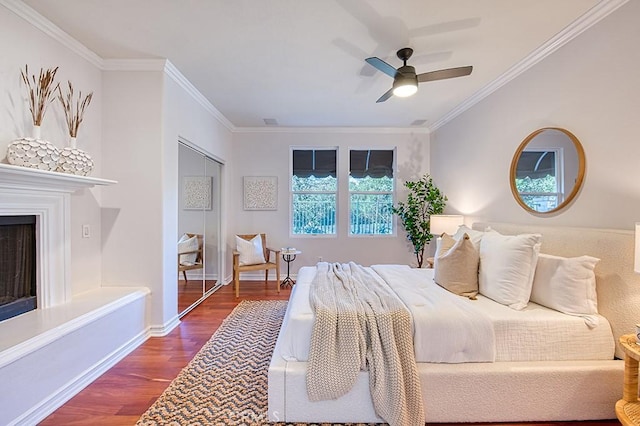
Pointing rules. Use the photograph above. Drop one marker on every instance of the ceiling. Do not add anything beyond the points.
(301, 62)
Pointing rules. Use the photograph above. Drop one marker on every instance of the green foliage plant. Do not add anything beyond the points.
(423, 200)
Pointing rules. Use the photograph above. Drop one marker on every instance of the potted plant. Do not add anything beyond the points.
(423, 200)
(72, 159)
(35, 152)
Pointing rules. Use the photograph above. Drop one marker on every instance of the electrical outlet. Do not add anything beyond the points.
(86, 231)
(319, 258)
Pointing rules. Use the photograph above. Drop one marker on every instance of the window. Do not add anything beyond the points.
(539, 179)
(314, 187)
(370, 192)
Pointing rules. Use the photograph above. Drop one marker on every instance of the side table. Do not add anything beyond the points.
(289, 256)
(628, 408)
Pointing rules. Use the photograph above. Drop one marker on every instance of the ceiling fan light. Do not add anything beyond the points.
(405, 85)
(405, 90)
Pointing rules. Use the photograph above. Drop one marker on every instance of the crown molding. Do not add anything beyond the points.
(584, 22)
(49, 28)
(165, 65)
(310, 129)
(179, 78)
(590, 18)
(133, 64)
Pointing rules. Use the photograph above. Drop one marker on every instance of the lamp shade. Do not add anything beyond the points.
(636, 254)
(449, 223)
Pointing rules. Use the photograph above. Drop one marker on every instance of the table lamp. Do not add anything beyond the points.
(447, 223)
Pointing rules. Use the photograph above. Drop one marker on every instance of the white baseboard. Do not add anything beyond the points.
(164, 329)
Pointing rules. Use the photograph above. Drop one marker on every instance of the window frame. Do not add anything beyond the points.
(393, 191)
(292, 193)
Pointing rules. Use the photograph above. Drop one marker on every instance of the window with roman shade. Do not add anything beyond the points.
(371, 191)
(314, 188)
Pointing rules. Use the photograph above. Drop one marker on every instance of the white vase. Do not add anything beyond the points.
(74, 161)
(33, 152)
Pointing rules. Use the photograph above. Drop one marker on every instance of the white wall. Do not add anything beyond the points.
(189, 118)
(268, 154)
(132, 210)
(145, 114)
(589, 87)
(22, 44)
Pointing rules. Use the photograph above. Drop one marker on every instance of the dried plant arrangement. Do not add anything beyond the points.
(40, 91)
(73, 112)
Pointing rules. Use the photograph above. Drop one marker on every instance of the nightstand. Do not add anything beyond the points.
(628, 408)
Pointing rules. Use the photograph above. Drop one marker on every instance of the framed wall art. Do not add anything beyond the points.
(196, 192)
(261, 193)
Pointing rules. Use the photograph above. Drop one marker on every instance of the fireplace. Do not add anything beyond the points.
(45, 196)
(17, 265)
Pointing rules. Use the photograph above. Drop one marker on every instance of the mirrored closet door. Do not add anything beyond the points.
(198, 236)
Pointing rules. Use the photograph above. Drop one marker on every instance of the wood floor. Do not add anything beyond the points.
(121, 395)
(190, 291)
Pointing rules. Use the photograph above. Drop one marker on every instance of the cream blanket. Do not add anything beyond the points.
(360, 324)
(447, 327)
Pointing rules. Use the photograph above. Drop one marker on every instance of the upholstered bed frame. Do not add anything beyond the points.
(501, 391)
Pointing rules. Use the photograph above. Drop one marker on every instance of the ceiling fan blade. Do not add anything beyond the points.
(382, 66)
(387, 95)
(444, 74)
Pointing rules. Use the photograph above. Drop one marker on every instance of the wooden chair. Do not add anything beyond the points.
(271, 263)
(198, 264)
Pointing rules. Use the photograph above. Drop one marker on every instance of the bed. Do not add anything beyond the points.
(559, 369)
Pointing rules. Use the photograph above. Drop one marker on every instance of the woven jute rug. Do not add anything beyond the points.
(226, 382)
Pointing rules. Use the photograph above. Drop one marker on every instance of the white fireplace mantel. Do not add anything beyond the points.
(17, 177)
(46, 195)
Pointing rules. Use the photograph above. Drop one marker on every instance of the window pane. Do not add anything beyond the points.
(313, 183)
(537, 185)
(540, 203)
(371, 214)
(370, 184)
(314, 214)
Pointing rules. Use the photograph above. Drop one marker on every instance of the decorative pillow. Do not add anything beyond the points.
(456, 265)
(567, 285)
(251, 252)
(474, 236)
(507, 267)
(187, 244)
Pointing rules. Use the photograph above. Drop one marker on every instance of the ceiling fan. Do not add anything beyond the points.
(405, 80)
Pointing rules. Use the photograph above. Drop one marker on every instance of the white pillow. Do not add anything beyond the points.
(186, 244)
(507, 267)
(474, 236)
(567, 285)
(251, 252)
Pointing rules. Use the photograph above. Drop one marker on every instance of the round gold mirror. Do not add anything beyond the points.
(547, 170)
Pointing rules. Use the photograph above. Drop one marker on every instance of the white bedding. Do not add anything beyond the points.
(535, 333)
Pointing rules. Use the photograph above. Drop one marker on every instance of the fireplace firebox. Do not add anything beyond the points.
(17, 265)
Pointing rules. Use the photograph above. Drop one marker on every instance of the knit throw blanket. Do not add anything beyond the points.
(360, 324)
